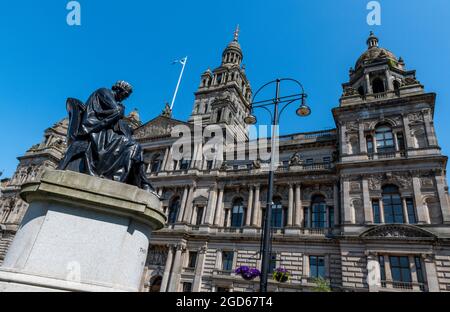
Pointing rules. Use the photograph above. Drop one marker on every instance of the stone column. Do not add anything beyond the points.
(408, 139)
(290, 216)
(373, 272)
(218, 265)
(389, 82)
(194, 157)
(362, 139)
(176, 272)
(431, 274)
(197, 284)
(166, 156)
(167, 268)
(298, 206)
(219, 208)
(336, 203)
(256, 207)
(369, 86)
(431, 135)
(368, 216)
(381, 207)
(248, 219)
(189, 205)
(443, 198)
(212, 200)
(183, 204)
(405, 210)
(422, 213)
(349, 215)
(344, 145)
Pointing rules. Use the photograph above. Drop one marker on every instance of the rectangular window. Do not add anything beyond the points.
(184, 164)
(227, 260)
(316, 266)
(198, 220)
(309, 161)
(209, 165)
(192, 259)
(400, 270)
(305, 217)
(382, 269)
(411, 211)
(376, 211)
(187, 287)
(400, 141)
(369, 145)
(419, 271)
(330, 216)
(223, 289)
(327, 160)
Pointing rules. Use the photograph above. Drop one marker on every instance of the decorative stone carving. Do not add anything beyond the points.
(157, 255)
(349, 91)
(355, 186)
(409, 81)
(352, 126)
(415, 117)
(296, 160)
(426, 182)
(397, 231)
(375, 182)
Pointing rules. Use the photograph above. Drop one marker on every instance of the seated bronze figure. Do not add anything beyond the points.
(100, 141)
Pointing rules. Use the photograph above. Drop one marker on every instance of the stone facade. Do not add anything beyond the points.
(365, 205)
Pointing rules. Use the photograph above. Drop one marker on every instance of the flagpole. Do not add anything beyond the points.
(183, 62)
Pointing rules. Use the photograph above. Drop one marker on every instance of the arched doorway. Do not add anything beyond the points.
(155, 283)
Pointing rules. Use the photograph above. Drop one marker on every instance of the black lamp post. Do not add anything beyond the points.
(302, 111)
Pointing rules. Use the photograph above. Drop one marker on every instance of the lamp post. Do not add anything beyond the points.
(274, 103)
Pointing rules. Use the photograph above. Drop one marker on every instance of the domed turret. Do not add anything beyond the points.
(232, 55)
(374, 53)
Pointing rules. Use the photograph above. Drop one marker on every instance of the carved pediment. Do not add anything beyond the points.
(397, 231)
(200, 200)
(159, 127)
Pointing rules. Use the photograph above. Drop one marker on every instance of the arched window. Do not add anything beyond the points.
(173, 210)
(237, 213)
(392, 205)
(385, 139)
(155, 284)
(155, 165)
(361, 90)
(219, 114)
(396, 86)
(378, 85)
(319, 212)
(369, 141)
(278, 213)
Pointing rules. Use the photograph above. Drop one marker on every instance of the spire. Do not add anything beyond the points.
(236, 33)
(372, 41)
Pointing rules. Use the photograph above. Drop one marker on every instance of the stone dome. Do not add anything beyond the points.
(375, 53)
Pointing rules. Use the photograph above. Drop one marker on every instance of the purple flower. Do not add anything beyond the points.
(247, 273)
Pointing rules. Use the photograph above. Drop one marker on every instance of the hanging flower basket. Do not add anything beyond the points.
(247, 273)
(281, 275)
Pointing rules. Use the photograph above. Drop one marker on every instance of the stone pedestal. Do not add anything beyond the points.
(81, 233)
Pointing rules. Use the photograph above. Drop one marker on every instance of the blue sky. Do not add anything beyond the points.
(43, 60)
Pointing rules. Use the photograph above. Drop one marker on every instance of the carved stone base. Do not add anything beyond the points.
(81, 233)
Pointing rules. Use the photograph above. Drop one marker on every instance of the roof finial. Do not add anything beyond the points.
(236, 33)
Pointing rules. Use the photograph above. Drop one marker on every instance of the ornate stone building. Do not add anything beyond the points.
(365, 205)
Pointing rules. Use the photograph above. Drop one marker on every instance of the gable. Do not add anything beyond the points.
(161, 126)
(397, 231)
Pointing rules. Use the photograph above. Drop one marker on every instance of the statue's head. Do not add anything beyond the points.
(122, 90)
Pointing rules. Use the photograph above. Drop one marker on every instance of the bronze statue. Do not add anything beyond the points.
(100, 141)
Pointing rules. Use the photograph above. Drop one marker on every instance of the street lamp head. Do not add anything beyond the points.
(250, 120)
(303, 110)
